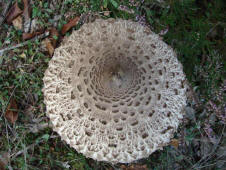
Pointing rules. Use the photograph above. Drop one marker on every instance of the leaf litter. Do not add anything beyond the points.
(69, 25)
(13, 12)
(18, 23)
(4, 159)
(11, 113)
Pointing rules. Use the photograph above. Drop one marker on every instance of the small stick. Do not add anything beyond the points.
(211, 30)
(22, 151)
(207, 157)
(14, 155)
(46, 34)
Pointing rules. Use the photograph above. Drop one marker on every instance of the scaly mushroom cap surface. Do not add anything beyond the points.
(114, 91)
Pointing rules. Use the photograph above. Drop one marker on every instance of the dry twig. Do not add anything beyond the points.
(46, 34)
(14, 155)
(209, 156)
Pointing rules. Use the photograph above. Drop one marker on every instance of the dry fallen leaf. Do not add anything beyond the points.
(27, 36)
(32, 26)
(49, 47)
(54, 35)
(4, 159)
(69, 25)
(174, 142)
(27, 16)
(11, 112)
(13, 12)
(49, 44)
(27, 10)
(17, 23)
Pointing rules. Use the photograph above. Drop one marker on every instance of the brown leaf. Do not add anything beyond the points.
(49, 44)
(69, 25)
(13, 12)
(2, 165)
(27, 10)
(27, 16)
(54, 35)
(49, 47)
(27, 36)
(11, 112)
(134, 167)
(46, 45)
(17, 23)
(4, 159)
(175, 143)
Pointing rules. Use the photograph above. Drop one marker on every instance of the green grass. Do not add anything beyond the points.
(197, 32)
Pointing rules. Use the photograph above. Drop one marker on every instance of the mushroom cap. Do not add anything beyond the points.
(115, 91)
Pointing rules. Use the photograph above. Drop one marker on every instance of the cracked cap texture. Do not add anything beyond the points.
(114, 91)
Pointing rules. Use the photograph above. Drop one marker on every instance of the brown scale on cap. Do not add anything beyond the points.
(109, 89)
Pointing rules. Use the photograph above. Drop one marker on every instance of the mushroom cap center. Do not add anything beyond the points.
(117, 75)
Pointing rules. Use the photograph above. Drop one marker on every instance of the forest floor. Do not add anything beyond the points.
(30, 30)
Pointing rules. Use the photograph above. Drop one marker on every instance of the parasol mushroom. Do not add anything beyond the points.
(115, 91)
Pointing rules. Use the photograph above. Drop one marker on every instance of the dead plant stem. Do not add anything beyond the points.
(46, 34)
(207, 157)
